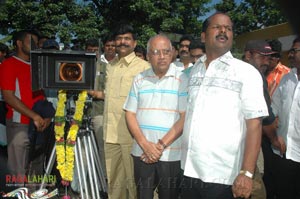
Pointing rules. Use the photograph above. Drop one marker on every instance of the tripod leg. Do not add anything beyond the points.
(88, 157)
(96, 180)
(82, 168)
(98, 165)
(78, 169)
(49, 166)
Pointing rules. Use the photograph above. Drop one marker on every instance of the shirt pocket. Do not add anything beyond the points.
(125, 85)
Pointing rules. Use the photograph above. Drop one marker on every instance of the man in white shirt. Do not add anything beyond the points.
(109, 49)
(222, 130)
(184, 54)
(155, 110)
(286, 105)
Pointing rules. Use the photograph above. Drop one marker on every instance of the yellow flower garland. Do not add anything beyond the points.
(65, 148)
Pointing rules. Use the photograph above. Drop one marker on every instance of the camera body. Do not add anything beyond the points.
(62, 70)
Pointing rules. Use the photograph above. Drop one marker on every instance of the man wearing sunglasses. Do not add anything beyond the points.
(257, 53)
(286, 105)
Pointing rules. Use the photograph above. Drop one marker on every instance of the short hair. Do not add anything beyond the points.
(208, 19)
(195, 44)
(107, 38)
(92, 42)
(3, 48)
(140, 49)
(296, 40)
(153, 37)
(124, 29)
(186, 37)
(20, 35)
(174, 44)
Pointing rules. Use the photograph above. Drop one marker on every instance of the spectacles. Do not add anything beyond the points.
(293, 50)
(159, 52)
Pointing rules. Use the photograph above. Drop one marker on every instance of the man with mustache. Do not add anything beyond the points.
(118, 140)
(222, 129)
(257, 53)
(184, 53)
(286, 105)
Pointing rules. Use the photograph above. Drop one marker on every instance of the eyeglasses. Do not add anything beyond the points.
(159, 52)
(293, 50)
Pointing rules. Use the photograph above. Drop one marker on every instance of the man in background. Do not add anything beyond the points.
(184, 53)
(109, 49)
(286, 105)
(258, 53)
(197, 50)
(276, 69)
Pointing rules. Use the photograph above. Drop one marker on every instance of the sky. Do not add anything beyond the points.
(213, 10)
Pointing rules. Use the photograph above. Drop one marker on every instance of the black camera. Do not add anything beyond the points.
(62, 70)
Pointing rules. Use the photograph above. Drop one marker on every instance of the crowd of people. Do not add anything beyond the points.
(178, 121)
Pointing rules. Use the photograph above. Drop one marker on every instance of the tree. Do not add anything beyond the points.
(74, 19)
(149, 17)
(63, 19)
(251, 15)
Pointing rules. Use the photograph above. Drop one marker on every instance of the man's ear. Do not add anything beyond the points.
(247, 56)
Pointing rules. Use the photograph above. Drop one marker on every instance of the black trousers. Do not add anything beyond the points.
(165, 176)
(287, 178)
(268, 176)
(193, 188)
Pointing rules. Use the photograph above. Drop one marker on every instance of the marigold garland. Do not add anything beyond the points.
(65, 148)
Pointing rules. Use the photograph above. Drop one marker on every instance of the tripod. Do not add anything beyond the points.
(91, 179)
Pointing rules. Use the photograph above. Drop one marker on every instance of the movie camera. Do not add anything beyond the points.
(62, 70)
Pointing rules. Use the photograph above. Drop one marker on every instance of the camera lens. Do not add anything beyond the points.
(70, 72)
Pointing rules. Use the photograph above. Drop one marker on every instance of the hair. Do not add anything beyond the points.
(140, 49)
(107, 38)
(207, 20)
(276, 46)
(20, 35)
(174, 44)
(124, 29)
(155, 36)
(296, 40)
(92, 42)
(186, 37)
(3, 48)
(195, 44)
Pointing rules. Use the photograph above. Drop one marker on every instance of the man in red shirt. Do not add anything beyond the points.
(15, 83)
(276, 69)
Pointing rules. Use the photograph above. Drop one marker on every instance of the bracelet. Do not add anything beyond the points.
(247, 173)
(162, 143)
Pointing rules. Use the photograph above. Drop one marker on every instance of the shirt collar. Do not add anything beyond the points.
(170, 73)
(128, 59)
(224, 58)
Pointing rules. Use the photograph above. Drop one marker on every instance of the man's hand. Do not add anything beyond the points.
(278, 143)
(39, 123)
(152, 153)
(242, 186)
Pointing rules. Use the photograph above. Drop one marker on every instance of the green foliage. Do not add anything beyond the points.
(251, 15)
(75, 21)
(63, 19)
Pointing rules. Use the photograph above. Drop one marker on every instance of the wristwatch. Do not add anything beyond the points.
(247, 173)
